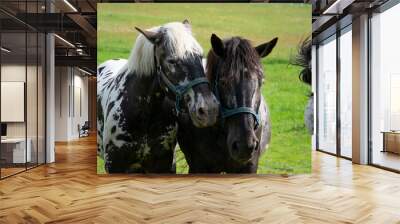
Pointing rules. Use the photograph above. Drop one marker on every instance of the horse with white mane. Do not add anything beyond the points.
(139, 100)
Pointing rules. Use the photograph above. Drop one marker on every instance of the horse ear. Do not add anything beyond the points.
(187, 24)
(264, 49)
(152, 36)
(217, 45)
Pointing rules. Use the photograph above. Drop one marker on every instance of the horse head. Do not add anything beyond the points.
(177, 59)
(235, 71)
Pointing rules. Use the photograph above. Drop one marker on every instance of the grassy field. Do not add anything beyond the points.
(289, 151)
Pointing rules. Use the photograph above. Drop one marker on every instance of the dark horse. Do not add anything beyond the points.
(303, 59)
(243, 131)
(139, 99)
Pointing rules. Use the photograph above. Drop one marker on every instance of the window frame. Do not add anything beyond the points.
(339, 28)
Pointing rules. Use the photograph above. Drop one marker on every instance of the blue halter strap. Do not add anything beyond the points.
(178, 90)
(239, 110)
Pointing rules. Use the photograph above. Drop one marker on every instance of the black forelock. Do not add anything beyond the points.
(303, 59)
(239, 54)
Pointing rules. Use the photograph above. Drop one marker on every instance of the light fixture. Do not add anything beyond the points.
(331, 7)
(79, 51)
(337, 7)
(70, 5)
(84, 71)
(65, 41)
(5, 50)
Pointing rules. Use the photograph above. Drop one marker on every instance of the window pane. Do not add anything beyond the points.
(23, 88)
(31, 97)
(385, 84)
(346, 92)
(14, 153)
(327, 95)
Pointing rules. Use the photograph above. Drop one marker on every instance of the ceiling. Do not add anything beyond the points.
(74, 22)
(328, 15)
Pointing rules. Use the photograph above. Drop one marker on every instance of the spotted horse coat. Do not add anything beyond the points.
(139, 99)
(136, 132)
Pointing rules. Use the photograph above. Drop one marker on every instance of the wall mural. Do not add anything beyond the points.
(205, 88)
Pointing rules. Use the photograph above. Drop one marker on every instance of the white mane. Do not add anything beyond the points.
(178, 37)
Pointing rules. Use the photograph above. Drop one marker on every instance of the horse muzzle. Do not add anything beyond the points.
(205, 111)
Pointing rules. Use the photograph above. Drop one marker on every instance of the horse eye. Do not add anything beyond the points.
(172, 61)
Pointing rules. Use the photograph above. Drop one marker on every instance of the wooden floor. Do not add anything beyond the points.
(10, 171)
(69, 191)
(387, 159)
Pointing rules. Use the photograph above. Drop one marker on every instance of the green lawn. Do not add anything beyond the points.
(289, 151)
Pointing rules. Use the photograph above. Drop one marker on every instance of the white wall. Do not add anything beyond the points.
(14, 72)
(33, 125)
(12, 100)
(61, 103)
(80, 84)
(70, 83)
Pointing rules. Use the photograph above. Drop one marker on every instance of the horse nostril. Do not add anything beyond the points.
(252, 144)
(235, 146)
(201, 112)
(255, 148)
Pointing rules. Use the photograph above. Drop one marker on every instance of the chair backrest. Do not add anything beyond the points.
(86, 125)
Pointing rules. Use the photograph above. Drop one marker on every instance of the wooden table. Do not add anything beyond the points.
(391, 141)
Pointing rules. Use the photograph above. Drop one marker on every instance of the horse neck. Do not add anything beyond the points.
(143, 85)
(143, 91)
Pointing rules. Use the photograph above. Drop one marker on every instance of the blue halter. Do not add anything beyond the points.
(178, 90)
(225, 112)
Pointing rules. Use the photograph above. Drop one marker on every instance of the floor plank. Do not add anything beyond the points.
(70, 191)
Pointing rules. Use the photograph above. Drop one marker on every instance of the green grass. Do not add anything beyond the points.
(100, 165)
(289, 151)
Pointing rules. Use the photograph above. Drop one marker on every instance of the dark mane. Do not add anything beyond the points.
(303, 59)
(239, 54)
